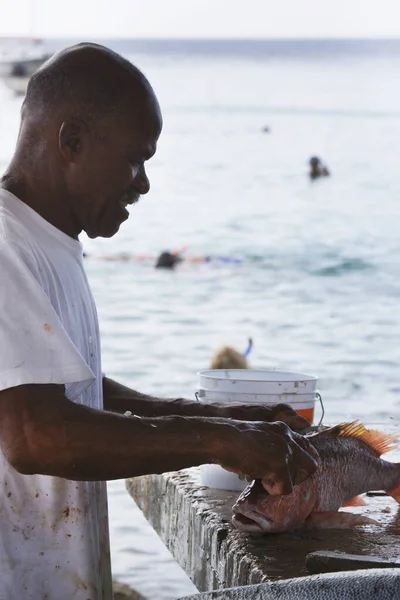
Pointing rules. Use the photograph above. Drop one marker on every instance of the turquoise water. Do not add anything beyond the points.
(318, 284)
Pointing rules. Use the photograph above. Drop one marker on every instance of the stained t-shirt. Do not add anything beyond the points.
(54, 541)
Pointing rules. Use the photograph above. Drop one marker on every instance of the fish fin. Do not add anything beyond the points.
(377, 440)
(356, 501)
(337, 520)
(395, 493)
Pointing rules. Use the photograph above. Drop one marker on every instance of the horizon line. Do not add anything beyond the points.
(204, 39)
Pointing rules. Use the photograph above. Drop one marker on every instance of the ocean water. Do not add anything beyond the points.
(318, 282)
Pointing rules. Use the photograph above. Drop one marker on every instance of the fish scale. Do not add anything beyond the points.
(341, 477)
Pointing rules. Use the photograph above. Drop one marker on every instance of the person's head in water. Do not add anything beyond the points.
(89, 122)
(317, 169)
(228, 358)
(167, 260)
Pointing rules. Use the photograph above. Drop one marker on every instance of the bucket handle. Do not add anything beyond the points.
(319, 397)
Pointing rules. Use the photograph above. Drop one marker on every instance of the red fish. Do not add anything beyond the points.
(349, 464)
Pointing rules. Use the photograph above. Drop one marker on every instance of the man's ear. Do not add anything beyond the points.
(70, 138)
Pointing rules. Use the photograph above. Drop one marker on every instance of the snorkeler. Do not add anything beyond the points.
(167, 259)
(317, 168)
(227, 357)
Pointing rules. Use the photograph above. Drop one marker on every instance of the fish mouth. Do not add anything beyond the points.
(251, 522)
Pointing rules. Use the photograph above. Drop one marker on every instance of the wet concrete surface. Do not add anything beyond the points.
(195, 524)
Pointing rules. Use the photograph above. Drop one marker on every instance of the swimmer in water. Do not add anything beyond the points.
(165, 260)
(168, 260)
(227, 357)
(317, 169)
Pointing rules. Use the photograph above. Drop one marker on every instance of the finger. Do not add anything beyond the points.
(305, 465)
(306, 445)
(285, 413)
(278, 483)
(277, 488)
(295, 421)
(301, 475)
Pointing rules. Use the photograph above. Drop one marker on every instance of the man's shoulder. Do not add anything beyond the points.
(12, 230)
(17, 259)
(14, 235)
(18, 222)
(17, 244)
(20, 239)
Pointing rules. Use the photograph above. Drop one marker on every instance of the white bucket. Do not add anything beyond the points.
(214, 476)
(234, 386)
(251, 381)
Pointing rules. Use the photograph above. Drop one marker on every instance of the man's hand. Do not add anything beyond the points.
(258, 412)
(270, 452)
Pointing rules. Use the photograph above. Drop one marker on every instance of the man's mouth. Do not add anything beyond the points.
(129, 199)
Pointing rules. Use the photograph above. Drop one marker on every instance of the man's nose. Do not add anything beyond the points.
(142, 183)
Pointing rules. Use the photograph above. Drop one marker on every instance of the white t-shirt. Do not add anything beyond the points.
(54, 541)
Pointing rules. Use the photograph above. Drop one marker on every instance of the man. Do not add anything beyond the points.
(89, 122)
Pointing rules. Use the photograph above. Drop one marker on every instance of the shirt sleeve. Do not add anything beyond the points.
(34, 346)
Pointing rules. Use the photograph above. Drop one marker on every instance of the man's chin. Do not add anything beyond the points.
(106, 232)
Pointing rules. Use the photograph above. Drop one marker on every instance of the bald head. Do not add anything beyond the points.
(87, 79)
(90, 122)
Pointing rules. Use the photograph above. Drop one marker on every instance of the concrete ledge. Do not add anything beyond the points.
(194, 522)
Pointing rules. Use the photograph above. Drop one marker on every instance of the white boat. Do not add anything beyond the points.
(19, 60)
(16, 84)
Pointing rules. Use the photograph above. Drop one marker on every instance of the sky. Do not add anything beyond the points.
(200, 18)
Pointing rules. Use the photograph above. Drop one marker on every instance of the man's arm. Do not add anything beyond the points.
(43, 432)
(120, 399)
